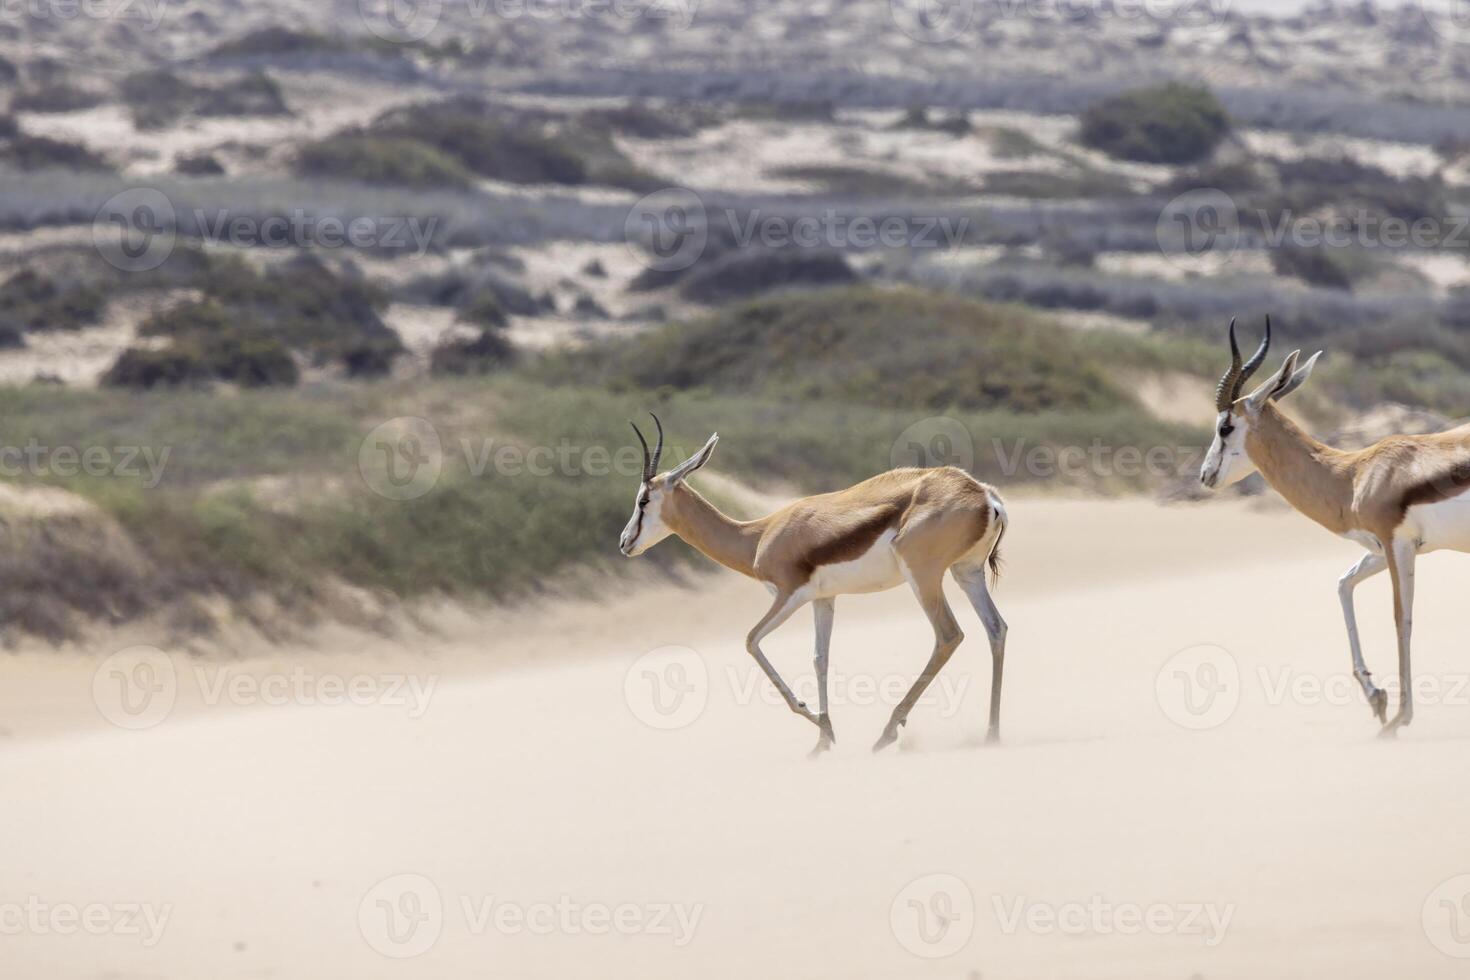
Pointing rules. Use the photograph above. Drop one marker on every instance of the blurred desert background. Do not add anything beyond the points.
(320, 325)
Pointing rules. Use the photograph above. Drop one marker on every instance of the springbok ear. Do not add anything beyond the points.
(1272, 385)
(696, 461)
(1298, 377)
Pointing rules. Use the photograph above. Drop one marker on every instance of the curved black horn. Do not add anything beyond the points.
(659, 449)
(1226, 389)
(647, 474)
(1254, 362)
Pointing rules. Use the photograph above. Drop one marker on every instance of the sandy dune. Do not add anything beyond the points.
(1189, 787)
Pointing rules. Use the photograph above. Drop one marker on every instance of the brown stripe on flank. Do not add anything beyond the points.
(852, 543)
(1445, 485)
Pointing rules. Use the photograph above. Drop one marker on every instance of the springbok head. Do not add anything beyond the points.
(647, 527)
(1227, 461)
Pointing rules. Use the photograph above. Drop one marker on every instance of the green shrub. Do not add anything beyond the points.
(482, 308)
(1171, 123)
(249, 361)
(54, 97)
(257, 94)
(170, 367)
(887, 348)
(486, 353)
(492, 148)
(380, 160)
(747, 272)
(275, 41)
(1318, 266)
(32, 301)
(25, 152)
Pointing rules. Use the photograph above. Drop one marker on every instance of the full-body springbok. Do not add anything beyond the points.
(1400, 497)
(906, 525)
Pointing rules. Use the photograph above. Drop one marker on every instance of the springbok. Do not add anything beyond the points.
(1400, 497)
(906, 525)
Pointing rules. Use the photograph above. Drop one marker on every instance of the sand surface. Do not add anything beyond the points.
(1189, 786)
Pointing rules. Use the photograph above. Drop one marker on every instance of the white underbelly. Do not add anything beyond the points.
(876, 570)
(1445, 524)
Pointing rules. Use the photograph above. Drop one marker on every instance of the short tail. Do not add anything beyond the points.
(994, 561)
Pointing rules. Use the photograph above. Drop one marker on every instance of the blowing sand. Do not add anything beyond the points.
(1189, 786)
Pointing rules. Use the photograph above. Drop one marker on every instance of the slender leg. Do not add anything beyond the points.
(786, 603)
(823, 610)
(972, 581)
(929, 588)
(1370, 565)
(1401, 569)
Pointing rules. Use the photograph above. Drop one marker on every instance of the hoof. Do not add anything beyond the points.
(885, 740)
(992, 737)
(1379, 703)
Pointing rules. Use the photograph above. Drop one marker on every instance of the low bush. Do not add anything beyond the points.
(1171, 123)
(479, 355)
(372, 159)
(1318, 266)
(844, 346)
(748, 272)
(25, 152)
(54, 97)
(31, 301)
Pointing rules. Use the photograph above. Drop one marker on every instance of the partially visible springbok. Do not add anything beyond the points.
(906, 525)
(1400, 497)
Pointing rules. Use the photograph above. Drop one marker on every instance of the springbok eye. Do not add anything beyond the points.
(1225, 429)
